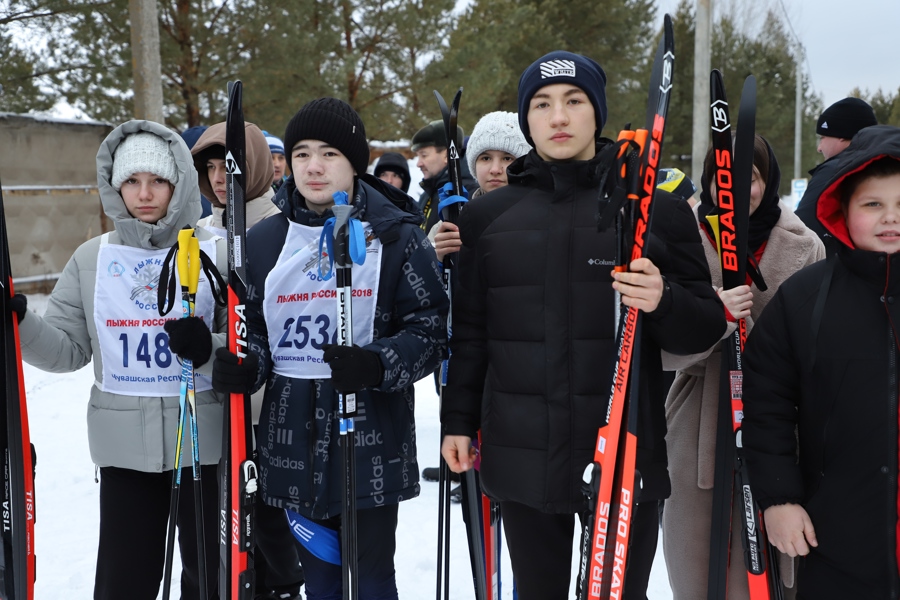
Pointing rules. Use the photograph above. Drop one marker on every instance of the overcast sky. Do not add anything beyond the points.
(849, 43)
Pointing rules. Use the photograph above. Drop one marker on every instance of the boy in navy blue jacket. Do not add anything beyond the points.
(399, 335)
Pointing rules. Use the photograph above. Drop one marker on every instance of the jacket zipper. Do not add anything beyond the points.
(569, 325)
(892, 508)
(892, 472)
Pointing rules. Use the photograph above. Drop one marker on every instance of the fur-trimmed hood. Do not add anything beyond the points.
(184, 207)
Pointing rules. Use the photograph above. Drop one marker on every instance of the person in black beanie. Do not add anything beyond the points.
(399, 335)
(835, 128)
(533, 345)
(393, 168)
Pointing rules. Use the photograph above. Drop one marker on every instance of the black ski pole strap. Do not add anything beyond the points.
(614, 159)
(216, 282)
(755, 273)
(818, 310)
(165, 290)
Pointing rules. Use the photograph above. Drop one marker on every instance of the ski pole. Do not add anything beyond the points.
(193, 283)
(347, 407)
(187, 261)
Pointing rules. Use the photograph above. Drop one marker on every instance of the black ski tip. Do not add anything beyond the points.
(234, 90)
(441, 101)
(669, 32)
(749, 85)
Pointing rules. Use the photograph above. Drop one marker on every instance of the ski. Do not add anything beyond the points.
(17, 560)
(610, 479)
(733, 217)
(490, 533)
(732, 176)
(237, 471)
(470, 487)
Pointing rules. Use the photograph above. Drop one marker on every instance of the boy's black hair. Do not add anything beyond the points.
(884, 166)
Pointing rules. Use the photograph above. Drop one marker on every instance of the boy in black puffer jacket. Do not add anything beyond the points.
(821, 370)
(533, 344)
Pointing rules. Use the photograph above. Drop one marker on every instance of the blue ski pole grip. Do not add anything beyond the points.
(448, 198)
(355, 233)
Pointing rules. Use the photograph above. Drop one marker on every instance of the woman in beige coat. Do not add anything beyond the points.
(780, 245)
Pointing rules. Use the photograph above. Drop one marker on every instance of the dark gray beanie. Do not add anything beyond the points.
(334, 122)
(434, 134)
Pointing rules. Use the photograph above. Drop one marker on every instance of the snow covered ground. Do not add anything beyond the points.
(67, 498)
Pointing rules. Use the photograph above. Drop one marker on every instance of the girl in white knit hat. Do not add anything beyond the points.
(494, 144)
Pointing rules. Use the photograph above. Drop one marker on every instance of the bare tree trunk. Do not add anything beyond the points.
(145, 62)
(188, 67)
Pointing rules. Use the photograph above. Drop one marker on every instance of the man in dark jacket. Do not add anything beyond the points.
(835, 128)
(430, 145)
(533, 350)
(399, 335)
(820, 388)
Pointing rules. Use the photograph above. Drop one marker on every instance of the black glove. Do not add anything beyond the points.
(190, 338)
(229, 377)
(19, 305)
(353, 368)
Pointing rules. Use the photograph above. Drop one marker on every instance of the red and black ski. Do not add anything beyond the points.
(237, 473)
(17, 564)
(732, 178)
(611, 477)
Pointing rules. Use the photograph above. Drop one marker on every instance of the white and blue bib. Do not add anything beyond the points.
(301, 309)
(134, 347)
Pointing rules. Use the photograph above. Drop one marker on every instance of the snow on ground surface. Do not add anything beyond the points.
(68, 504)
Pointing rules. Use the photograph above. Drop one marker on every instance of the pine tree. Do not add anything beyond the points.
(495, 40)
(21, 75)
(738, 52)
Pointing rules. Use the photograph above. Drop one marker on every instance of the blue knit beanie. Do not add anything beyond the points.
(563, 67)
(276, 146)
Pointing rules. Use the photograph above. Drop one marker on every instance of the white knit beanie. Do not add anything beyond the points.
(496, 131)
(143, 152)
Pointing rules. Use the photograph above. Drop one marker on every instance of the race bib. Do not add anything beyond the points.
(134, 347)
(219, 231)
(301, 309)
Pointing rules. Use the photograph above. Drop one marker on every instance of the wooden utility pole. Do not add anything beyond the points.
(702, 52)
(146, 65)
(798, 115)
